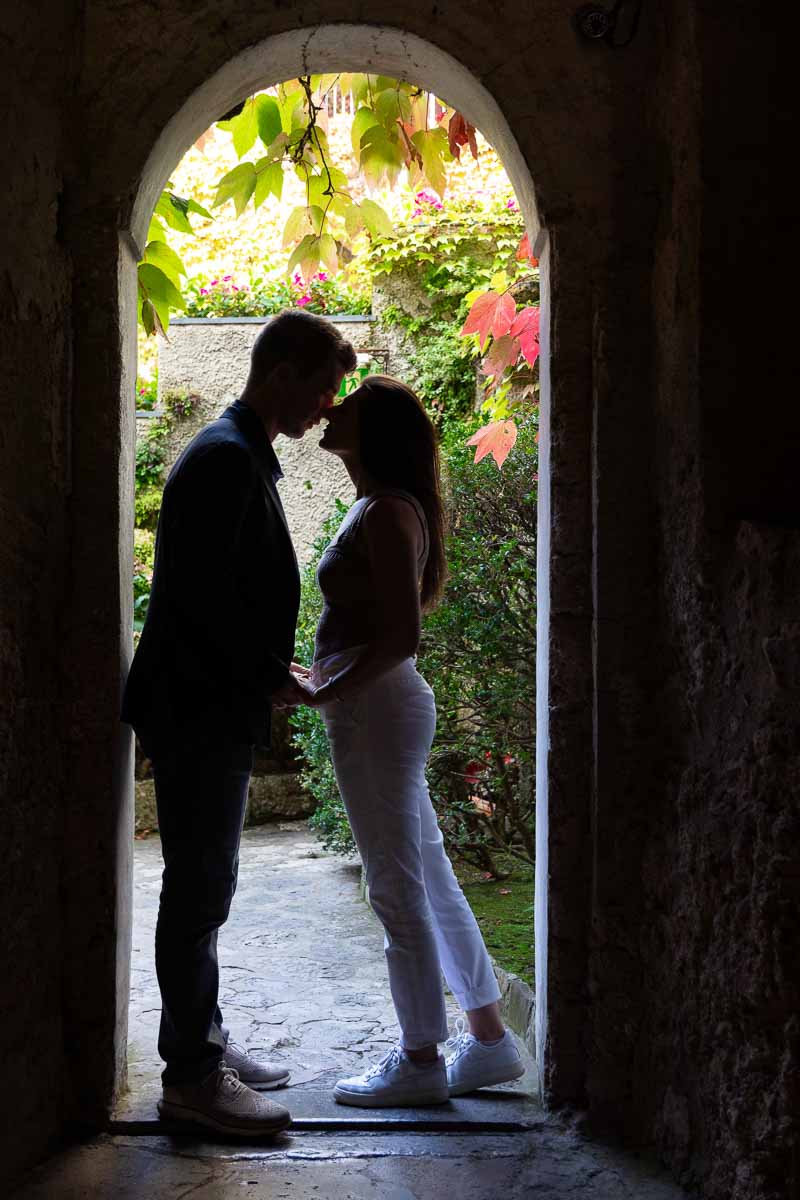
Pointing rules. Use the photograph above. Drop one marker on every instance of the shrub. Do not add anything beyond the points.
(262, 297)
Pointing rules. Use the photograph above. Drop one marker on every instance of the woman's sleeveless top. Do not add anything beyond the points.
(345, 579)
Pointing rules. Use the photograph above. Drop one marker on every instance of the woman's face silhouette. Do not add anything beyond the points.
(342, 433)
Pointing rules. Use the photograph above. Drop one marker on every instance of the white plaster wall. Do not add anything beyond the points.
(210, 358)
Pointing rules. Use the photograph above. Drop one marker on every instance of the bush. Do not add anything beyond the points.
(262, 297)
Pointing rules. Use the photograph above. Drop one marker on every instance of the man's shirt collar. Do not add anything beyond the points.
(250, 422)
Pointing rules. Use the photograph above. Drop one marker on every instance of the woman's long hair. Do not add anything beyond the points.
(399, 449)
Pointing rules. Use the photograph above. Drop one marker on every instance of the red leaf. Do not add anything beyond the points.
(496, 439)
(526, 328)
(461, 133)
(524, 252)
(504, 353)
(491, 313)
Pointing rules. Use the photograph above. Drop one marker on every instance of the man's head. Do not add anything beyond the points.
(296, 368)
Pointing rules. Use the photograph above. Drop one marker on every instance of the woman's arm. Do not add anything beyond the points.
(394, 541)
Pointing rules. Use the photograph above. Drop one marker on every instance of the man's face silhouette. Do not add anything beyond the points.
(303, 398)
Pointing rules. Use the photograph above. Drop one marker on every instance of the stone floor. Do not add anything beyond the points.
(303, 980)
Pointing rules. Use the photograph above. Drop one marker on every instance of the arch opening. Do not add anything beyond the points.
(388, 51)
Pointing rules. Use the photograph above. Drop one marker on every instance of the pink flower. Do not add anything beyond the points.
(225, 278)
(511, 203)
(142, 391)
(302, 300)
(213, 283)
(203, 291)
(234, 288)
(297, 278)
(322, 275)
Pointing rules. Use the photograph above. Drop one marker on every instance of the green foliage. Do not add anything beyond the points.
(147, 506)
(448, 254)
(147, 392)
(503, 908)
(478, 653)
(150, 453)
(329, 819)
(261, 297)
(393, 131)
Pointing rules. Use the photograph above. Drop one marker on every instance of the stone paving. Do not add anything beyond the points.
(303, 980)
(302, 971)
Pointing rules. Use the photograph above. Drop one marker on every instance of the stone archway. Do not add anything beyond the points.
(390, 52)
(104, 444)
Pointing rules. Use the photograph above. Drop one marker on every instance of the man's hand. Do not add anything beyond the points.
(291, 694)
(299, 670)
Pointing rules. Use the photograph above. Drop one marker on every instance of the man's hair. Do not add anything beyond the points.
(302, 339)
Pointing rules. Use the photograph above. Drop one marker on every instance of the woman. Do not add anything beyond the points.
(384, 566)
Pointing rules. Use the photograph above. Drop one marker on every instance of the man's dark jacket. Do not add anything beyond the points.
(220, 627)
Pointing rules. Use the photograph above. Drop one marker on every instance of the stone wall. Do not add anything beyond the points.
(671, 440)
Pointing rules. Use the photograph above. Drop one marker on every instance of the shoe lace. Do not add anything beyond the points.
(228, 1080)
(457, 1044)
(389, 1060)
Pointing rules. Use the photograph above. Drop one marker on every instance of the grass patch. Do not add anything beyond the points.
(504, 911)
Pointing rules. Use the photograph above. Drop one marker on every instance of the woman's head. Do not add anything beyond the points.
(384, 434)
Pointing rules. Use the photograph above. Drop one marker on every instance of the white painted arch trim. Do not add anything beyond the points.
(377, 49)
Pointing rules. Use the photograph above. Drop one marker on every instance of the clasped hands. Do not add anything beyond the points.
(296, 690)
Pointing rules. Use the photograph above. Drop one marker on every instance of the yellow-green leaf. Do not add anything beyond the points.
(353, 220)
(376, 219)
(299, 223)
(269, 180)
(164, 257)
(238, 185)
(268, 118)
(245, 127)
(364, 119)
(156, 232)
(328, 253)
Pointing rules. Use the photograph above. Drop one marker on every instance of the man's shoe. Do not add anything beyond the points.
(395, 1082)
(255, 1074)
(471, 1064)
(222, 1102)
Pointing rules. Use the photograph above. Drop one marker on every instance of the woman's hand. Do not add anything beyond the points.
(299, 670)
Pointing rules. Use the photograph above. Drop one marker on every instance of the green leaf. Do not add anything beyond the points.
(364, 119)
(317, 216)
(156, 232)
(159, 287)
(328, 253)
(173, 209)
(392, 104)
(298, 224)
(376, 219)
(432, 145)
(238, 185)
(380, 156)
(268, 118)
(245, 128)
(353, 220)
(193, 206)
(288, 105)
(148, 318)
(164, 257)
(269, 180)
(306, 256)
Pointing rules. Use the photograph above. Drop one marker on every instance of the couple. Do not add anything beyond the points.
(216, 654)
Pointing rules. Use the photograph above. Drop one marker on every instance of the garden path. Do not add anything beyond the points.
(302, 979)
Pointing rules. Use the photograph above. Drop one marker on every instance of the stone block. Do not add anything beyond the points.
(277, 798)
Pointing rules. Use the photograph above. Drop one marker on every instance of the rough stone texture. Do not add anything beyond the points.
(552, 1163)
(303, 976)
(672, 436)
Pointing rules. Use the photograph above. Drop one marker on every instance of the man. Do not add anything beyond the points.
(214, 654)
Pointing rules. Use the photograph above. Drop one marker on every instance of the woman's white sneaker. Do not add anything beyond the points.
(395, 1082)
(472, 1064)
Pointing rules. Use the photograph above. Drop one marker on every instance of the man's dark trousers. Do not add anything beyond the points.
(201, 795)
